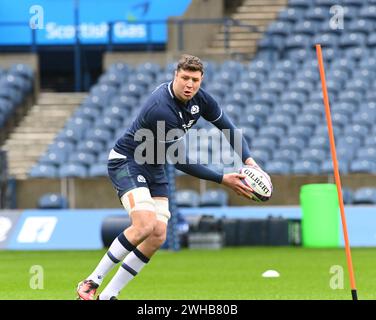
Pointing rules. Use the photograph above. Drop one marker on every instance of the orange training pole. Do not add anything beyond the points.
(336, 171)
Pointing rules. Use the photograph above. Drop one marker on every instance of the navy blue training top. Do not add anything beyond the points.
(162, 113)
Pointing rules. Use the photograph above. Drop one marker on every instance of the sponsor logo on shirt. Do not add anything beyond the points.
(141, 178)
(195, 109)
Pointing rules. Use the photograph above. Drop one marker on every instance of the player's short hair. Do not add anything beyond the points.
(190, 63)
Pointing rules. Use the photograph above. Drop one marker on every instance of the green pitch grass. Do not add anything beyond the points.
(231, 273)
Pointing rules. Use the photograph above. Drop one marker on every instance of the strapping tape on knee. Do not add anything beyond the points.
(138, 199)
(163, 213)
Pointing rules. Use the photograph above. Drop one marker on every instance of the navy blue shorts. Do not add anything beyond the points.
(126, 174)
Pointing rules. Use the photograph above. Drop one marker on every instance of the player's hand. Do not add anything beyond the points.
(232, 180)
(251, 162)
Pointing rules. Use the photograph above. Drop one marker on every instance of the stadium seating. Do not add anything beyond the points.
(52, 201)
(275, 98)
(214, 198)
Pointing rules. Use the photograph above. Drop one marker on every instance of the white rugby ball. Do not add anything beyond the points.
(259, 182)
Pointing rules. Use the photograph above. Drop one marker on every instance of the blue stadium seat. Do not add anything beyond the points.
(305, 167)
(250, 120)
(261, 154)
(371, 40)
(340, 119)
(304, 86)
(116, 111)
(356, 3)
(350, 96)
(320, 142)
(258, 109)
(349, 140)
(364, 74)
(297, 41)
(285, 155)
(108, 123)
(281, 76)
(344, 107)
(253, 76)
(140, 79)
(342, 65)
(52, 201)
(291, 14)
(124, 101)
(356, 130)
(78, 122)
(278, 167)
(327, 166)
(326, 3)
(64, 146)
(322, 130)
(231, 65)
(314, 107)
(366, 153)
(72, 171)
(187, 198)
(55, 157)
(364, 118)
(279, 28)
(214, 198)
(308, 119)
(233, 110)
(93, 146)
(102, 158)
(313, 154)
(362, 166)
(352, 39)
(274, 132)
(345, 153)
(300, 54)
(22, 70)
(300, 4)
(98, 170)
(326, 39)
(300, 131)
(365, 195)
(88, 112)
(227, 76)
(290, 109)
(368, 12)
(293, 97)
(293, 143)
(99, 134)
(361, 25)
(112, 79)
(347, 195)
(237, 97)
(245, 87)
(133, 90)
(248, 132)
(286, 65)
(370, 141)
(71, 134)
(149, 67)
(317, 13)
(280, 120)
(43, 171)
(258, 65)
(306, 27)
(275, 87)
(82, 158)
(120, 67)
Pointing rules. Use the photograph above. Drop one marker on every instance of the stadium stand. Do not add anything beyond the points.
(275, 98)
(52, 201)
(271, 94)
